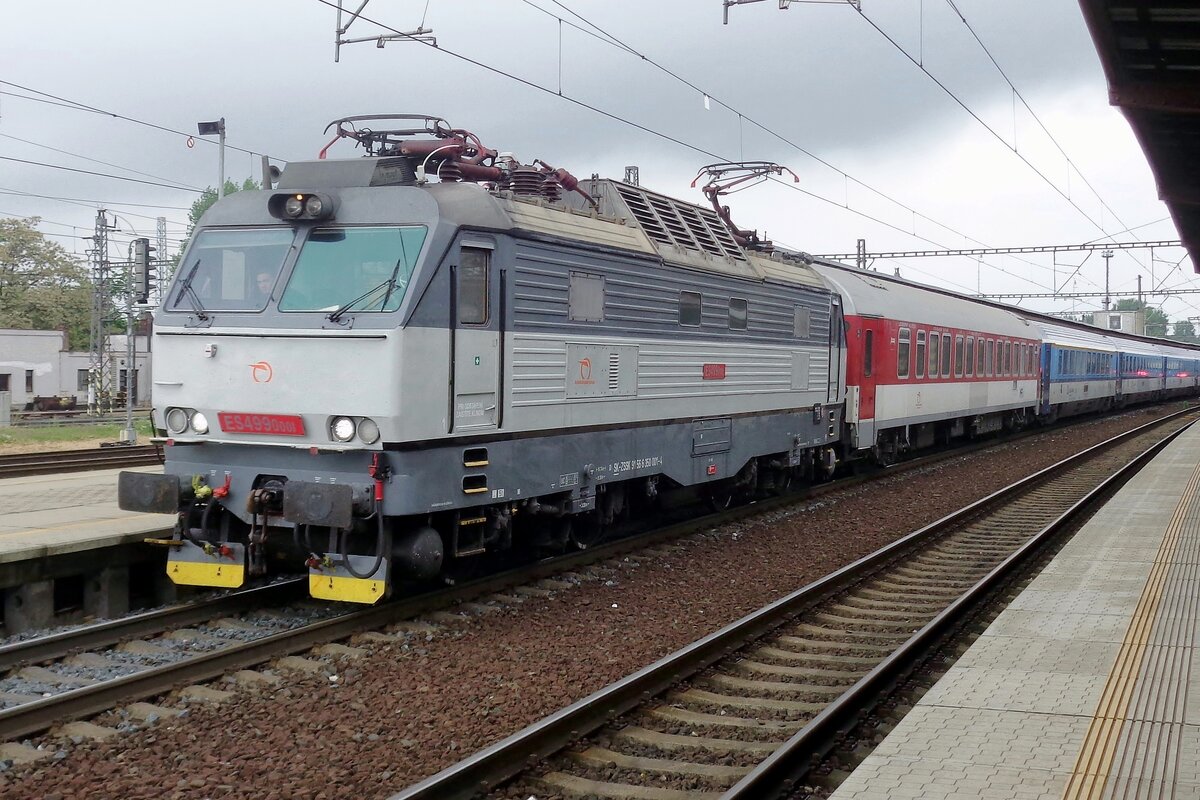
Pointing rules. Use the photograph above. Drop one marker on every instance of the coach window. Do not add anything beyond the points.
(903, 353)
(970, 356)
(689, 308)
(920, 354)
(737, 314)
(991, 355)
(945, 355)
(473, 286)
(958, 356)
(868, 352)
(1008, 358)
(934, 342)
(585, 297)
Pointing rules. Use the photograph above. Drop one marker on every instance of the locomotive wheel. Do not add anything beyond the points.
(721, 498)
(584, 531)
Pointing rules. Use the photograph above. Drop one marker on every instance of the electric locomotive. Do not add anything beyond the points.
(426, 356)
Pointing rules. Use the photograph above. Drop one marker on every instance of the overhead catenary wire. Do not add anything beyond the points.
(101, 174)
(67, 103)
(97, 161)
(608, 38)
(641, 127)
(1017, 93)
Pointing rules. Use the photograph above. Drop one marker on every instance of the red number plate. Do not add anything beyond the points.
(271, 424)
(714, 372)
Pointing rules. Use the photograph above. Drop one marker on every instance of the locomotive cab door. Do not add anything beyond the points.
(477, 324)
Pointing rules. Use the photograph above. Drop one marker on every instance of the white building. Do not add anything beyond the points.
(39, 364)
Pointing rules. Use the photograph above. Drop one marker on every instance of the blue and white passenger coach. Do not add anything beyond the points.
(380, 375)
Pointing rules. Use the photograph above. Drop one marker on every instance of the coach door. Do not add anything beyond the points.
(837, 340)
(476, 314)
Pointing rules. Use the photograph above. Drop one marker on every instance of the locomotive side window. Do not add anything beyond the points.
(958, 356)
(800, 323)
(970, 355)
(473, 286)
(737, 314)
(903, 353)
(934, 341)
(585, 297)
(868, 352)
(945, 355)
(920, 354)
(689, 308)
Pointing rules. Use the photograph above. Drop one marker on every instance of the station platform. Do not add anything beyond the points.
(50, 515)
(66, 549)
(1086, 686)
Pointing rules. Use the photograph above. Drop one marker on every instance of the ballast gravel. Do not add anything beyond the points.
(368, 726)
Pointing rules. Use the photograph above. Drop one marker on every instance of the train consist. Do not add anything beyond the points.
(392, 365)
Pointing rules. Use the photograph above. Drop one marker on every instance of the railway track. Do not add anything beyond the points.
(22, 464)
(91, 669)
(746, 711)
(100, 666)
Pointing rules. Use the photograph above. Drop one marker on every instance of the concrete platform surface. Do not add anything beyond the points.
(48, 515)
(1086, 685)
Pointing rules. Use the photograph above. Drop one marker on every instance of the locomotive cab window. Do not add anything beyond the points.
(689, 308)
(920, 354)
(903, 353)
(353, 270)
(737, 314)
(230, 270)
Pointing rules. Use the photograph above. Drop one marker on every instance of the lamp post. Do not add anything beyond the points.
(208, 129)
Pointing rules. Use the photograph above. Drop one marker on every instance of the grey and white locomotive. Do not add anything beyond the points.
(391, 364)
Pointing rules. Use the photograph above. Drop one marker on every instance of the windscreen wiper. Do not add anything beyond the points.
(185, 287)
(390, 283)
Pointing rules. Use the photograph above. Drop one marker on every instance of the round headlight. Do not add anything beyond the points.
(342, 429)
(368, 431)
(313, 206)
(177, 420)
(199, 423)
(294, 206)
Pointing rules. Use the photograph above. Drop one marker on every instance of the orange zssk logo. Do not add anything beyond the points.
(261, 372)
(585, 372)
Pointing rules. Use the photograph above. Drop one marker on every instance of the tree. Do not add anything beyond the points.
(1156, 320)
(42, 287)
(205, 201)
(1185, 331)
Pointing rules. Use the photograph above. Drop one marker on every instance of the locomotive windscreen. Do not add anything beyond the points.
(358, 269)
(231, 270)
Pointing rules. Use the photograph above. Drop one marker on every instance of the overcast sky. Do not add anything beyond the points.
(895, 146)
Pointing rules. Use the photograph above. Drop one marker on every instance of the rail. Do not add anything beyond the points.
(502, 761)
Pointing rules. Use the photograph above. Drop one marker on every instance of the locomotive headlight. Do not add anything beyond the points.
(313, 206)
(177, 420)
(368, 431)
(294, 205)
(199, 423)
(342, 429)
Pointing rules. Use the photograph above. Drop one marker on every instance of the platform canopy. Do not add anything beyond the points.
(1150, 50)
